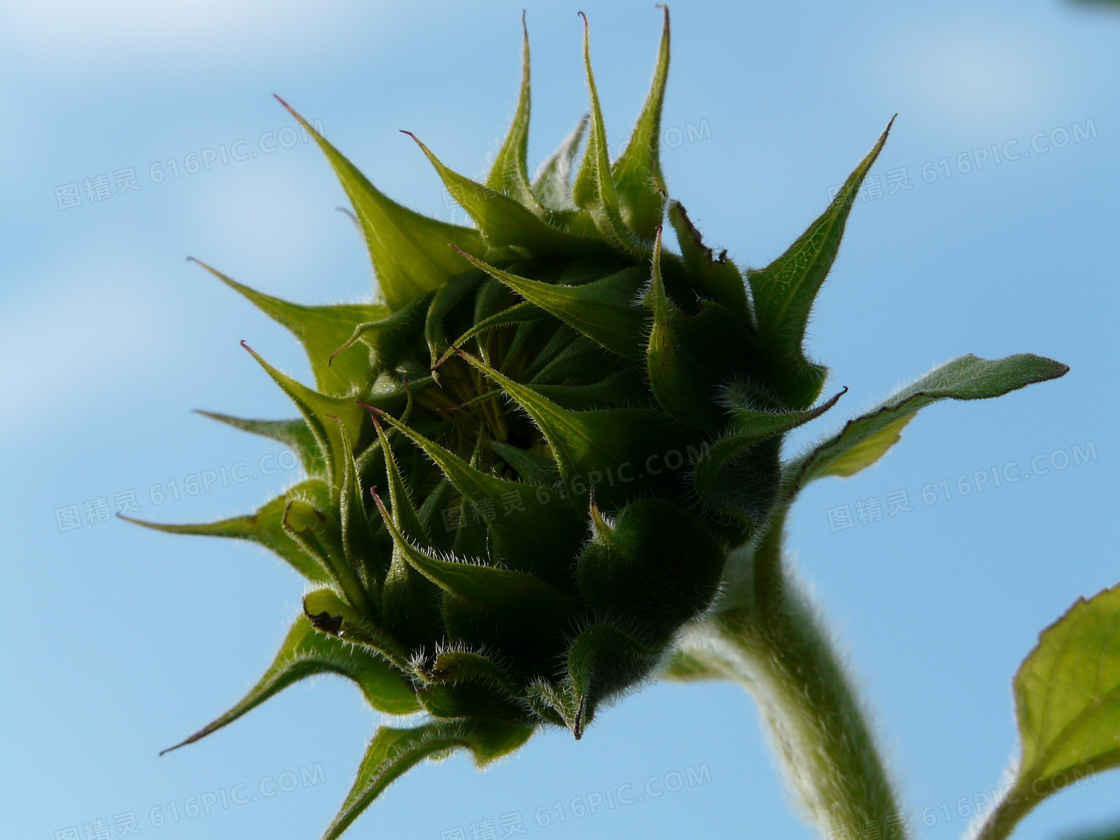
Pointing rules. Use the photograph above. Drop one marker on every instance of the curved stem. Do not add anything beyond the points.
(767, 637)
(1007, 814)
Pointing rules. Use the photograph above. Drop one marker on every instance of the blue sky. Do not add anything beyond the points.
(122, 641)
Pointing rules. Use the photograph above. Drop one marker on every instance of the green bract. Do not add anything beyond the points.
(526, 466)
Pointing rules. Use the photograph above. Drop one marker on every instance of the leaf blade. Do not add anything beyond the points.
(409, 251)
(504, 221)
(594, 187)
(603, 310)
(320, 329)
(264, 527)
(306, 652)
(510, 172)
(552, 186)
(784, 291)
(1069, 680)
(637, 172)
(865, 439)
(1067, 708)
(295, 433)
(392, 752)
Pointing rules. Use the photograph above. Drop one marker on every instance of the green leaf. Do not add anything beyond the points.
(329, 613)
(504, 221)
(320, 329)
(264, 527)
(392, 752)
(754, 418)
(591, 446)
(491, 299)
(295, 433)
(1067, 692)
(455, 666)
(1067, 703)
(469, 700)
(501, 589)
(520, 313)
(404, 511)
(637, 173)
(306, 653)
(466, 683)
(552, 186)
(626, 388)
(681, 388)
(566, 355)
(654, 567)
(315, 407)
(443, 302)
(532, 533)
(720, 478)
(604, 310)
(510, 173)
(784, 291)
(390, 337)
(717, 276)
(391, 390)
(319, 533)
(602, 660)
(357, 536)
(552, 704)
(864, 440)
(532, 467)
(409, 251)
(594, 189)
(409, 601)
(740, 481)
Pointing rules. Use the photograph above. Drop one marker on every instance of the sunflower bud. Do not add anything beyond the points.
(527, 463)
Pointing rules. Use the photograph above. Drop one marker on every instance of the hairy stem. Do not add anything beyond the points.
(767, 637)
(1007, 814)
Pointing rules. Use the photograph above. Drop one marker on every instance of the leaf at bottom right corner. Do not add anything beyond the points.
(1067, 697)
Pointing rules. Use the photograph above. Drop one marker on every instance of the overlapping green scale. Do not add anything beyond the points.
(528, 462)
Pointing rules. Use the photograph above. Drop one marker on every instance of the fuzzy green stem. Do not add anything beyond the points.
(1007, 814)
(768, 637)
